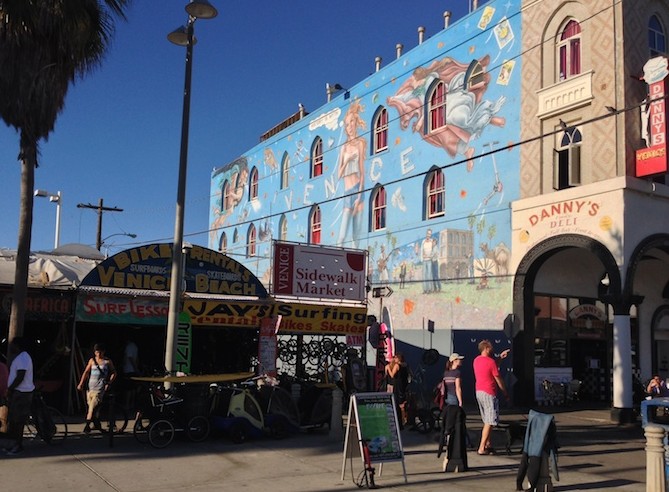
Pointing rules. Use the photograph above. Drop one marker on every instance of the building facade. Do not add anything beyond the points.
(491, 187)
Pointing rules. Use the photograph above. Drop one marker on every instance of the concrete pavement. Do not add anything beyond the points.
(594, 455)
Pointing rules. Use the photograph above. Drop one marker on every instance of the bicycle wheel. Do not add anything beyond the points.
(56, 431)
(116, 413)
(141, 428)
(161, 433)
(198, 428)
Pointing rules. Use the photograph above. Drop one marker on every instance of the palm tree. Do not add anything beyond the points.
(44, 46)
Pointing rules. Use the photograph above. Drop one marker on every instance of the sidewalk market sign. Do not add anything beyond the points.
(320, 272)
(372, 423)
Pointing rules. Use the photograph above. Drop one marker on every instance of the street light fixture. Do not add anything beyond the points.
(184, 36)
(118, 234)
(57, 199)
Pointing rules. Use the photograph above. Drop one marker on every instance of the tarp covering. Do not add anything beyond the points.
(47, 269)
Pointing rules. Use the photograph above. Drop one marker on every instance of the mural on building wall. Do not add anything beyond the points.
(450, 266)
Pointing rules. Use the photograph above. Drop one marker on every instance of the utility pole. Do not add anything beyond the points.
(99, 208)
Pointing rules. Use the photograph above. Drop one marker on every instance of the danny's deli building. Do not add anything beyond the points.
(591, 255)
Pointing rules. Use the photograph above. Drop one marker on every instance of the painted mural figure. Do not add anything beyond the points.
(434, 262)
(467, 114)
(236, 176)
(351, 168)
(426, 248)
(382, 264)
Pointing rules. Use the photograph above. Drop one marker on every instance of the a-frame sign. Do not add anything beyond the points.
(373, 423)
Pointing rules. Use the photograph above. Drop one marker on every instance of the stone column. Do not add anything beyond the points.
(655, 471)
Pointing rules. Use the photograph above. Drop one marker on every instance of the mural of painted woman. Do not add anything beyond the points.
(351, 169)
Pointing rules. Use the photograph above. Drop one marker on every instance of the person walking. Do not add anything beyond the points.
(20, 392)
(488, 380)
(398, 373)
(100, 373)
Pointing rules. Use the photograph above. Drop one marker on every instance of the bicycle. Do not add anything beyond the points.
(159, 419)
(45, 422)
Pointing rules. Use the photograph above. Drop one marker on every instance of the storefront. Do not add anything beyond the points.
(126, 297)
(590, 283)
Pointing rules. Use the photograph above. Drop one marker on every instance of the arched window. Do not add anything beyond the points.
(378, 207)
(569, 50)
(315, 225)
(251, 242)
(434, 194)
(475, 75)
(225, 201)
(380, 142)
(285, 171)
(223, 243)
(437, 107)
(253, 184)
(656, 39)
(317, 157)
(283, 228)
(567, 163)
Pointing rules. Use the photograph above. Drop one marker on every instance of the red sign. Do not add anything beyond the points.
(653, 159)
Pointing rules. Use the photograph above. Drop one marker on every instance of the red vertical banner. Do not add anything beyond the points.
(653, 159)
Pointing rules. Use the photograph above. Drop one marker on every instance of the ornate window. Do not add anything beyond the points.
(380, 142)
(656, 39)
(283, 228)
(435, 194)
(567, 163)
(251, 243)
(315, 225)
(317, 157)
(569, 50)
(223, 243)
(378, 221)
(253, 184)
(285, 171)
(437, 107)
(225, 200)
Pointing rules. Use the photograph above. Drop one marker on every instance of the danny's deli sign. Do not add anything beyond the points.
(319, 272)
(653, 158)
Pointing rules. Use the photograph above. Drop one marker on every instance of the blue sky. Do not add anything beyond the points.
(118, 137)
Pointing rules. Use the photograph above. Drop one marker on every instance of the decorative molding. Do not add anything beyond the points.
(565, 95)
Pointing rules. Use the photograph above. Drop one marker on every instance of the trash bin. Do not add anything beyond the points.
(655, 411)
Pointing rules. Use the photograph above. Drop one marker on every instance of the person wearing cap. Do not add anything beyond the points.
(488, 379)
(452, 380)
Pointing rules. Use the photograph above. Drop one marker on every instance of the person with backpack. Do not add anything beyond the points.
(100, 373)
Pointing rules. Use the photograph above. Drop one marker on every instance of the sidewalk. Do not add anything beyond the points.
(594, 455)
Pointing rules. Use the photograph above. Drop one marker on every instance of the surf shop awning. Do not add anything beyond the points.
(132, 287)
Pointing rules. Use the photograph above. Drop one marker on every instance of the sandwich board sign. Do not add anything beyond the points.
(373, 430)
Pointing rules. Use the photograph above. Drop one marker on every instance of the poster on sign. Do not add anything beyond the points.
(372, 422)
(267, 345)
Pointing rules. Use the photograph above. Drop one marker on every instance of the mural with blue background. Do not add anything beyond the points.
(451, 268)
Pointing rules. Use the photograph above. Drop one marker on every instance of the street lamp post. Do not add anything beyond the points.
(57, 199)
(104, 241)
(196, 9)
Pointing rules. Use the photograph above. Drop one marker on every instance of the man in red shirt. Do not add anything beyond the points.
(488, 380)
